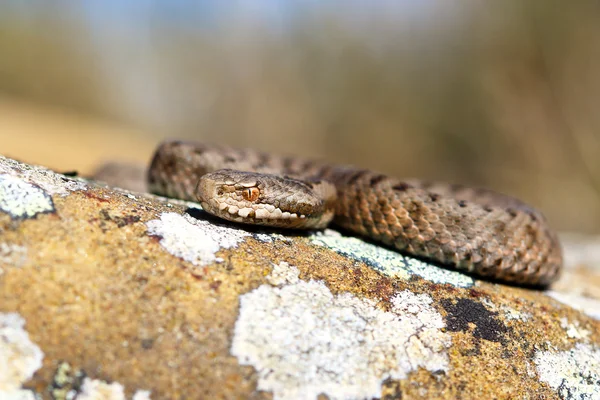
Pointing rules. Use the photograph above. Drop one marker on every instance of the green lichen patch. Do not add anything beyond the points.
(389, 262)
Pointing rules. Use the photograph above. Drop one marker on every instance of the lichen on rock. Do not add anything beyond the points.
(19, 357)
(305, 341)
(150, 298)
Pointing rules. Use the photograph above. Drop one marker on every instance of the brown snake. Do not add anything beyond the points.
(474, 230)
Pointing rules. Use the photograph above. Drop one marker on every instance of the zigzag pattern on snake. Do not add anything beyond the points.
(474, 230)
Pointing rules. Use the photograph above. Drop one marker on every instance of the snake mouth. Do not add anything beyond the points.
(265, 216)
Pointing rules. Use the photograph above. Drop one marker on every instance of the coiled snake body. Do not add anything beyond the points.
(474, 230)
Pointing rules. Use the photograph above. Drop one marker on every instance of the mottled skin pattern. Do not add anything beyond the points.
(474, 230)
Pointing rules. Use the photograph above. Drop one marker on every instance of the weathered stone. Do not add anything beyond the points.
(111, 294)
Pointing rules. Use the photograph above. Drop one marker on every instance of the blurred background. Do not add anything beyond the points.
(496, 94)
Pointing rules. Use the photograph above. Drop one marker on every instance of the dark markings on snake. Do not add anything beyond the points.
(70, 173)
(263, 161)
(287, 163)
(169, 165)
(310, 185)
(402, 186)
(376, 179)
(357, 175)
(306, 165)
(532, 214)
(314, 183)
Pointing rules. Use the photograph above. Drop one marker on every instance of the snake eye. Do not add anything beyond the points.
(251, 194)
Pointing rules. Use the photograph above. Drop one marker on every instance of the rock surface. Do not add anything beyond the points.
(109, 294)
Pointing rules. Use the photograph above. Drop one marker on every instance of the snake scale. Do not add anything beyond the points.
(473, 230)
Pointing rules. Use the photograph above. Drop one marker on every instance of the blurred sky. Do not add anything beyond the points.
(106, 16)
(276, 13)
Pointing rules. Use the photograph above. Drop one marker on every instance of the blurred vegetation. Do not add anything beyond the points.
(500, 94)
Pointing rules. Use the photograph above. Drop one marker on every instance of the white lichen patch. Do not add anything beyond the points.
(304, 341)
(510, 314)
(94, 389)
(574, 374)
(283, 273)
(270, 237)
(51, 182)
(574, 330)
(388, 262)
(21, 199)
(584, 304)
(196, 241)
(19, 357)
(24, 394)
(141, 395)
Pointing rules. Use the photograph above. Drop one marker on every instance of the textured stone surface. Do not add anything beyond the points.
(110, 294)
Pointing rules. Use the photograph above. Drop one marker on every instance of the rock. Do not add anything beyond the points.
(110, 294)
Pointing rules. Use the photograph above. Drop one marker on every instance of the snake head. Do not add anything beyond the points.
(264, 199)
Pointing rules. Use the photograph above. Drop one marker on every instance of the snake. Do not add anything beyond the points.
(473, 230)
